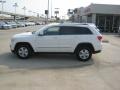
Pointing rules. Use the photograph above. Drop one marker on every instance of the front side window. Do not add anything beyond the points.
(52, 31)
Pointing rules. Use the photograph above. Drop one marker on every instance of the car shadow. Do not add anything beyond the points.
(117, 36)
(42, 61)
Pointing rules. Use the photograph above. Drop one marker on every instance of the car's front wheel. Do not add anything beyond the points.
(23, 51)
(83, 53)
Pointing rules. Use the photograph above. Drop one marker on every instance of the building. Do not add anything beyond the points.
(105, 16)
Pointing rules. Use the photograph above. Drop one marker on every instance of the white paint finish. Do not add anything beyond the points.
(46, 43)
(58, 43)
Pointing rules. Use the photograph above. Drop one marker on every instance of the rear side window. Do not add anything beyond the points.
(67, 30)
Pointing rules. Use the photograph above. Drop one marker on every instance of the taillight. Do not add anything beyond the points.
(99, 38)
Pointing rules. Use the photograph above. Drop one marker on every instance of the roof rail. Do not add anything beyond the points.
(77, 23)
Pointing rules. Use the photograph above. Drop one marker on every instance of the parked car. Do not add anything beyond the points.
(20, 24)
(81, 40)
(29, 23)
(32, 23)
(38, 23)
(13, 24)
(3, 25)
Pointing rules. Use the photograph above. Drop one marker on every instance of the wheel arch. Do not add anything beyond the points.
(24, 43)
(85, 45)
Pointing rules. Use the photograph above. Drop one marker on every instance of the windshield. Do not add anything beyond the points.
(41, 28)
(9, 22)
(2, 22)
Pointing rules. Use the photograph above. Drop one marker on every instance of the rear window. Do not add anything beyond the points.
(67, 30)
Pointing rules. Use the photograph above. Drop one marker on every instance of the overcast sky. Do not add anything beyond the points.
(40, 5)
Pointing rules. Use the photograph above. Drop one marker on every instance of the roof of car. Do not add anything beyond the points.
(71, 24)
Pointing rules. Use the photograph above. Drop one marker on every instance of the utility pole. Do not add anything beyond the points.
(24, 8)
(29, 12)
(2, 2)
(56, 13)
(51, 8)
(34, 16)
(15, 5)
(48, 12)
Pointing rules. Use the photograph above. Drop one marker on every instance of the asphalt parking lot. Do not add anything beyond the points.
(59, 72)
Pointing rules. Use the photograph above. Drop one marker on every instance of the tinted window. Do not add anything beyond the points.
(52, 31)
(74, 30)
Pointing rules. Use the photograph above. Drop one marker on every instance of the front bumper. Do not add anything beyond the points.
(12, 48)
(13, 51)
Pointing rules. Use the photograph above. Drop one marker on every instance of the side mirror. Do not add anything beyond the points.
(41, 34)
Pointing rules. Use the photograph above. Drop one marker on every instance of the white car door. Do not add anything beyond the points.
(48, 42)
(66, 40)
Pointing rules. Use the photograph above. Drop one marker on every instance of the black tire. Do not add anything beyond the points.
(87, 51)
(26, 53)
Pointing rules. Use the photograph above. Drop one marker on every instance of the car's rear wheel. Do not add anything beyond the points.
(23, 51)
(83, 54)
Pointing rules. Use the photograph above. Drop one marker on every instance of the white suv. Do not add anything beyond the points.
(80, 39)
